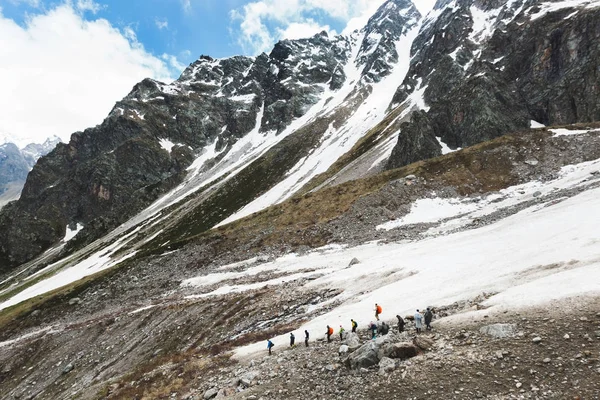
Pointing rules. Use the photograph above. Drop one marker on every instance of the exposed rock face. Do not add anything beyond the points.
(145, 146)
(486, 68)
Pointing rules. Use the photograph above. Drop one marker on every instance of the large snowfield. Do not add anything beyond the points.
(548, 251)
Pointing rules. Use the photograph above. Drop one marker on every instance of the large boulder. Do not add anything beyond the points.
(423, 342)
(499, 331)
(352, 341)
(249, 378)
(364, 357)
(402, 350)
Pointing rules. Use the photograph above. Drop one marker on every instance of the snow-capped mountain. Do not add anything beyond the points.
(16, 163)
(484, 69)
(233, 136)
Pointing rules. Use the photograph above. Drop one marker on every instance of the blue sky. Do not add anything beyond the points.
(80, 56)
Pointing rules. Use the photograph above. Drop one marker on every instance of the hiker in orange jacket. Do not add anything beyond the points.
(377, 311)
(329, 333)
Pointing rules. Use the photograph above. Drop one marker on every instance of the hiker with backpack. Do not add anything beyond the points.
(354, 325)
(384, 328)
(373, 329)
(329, 333)
(270, 345)
(306, 337)
(418, 321)
(400, 324)
(378, 311)
(341, 331)
(292, 339)
(428, 318)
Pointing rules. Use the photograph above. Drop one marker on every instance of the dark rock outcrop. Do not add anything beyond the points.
(487, 68)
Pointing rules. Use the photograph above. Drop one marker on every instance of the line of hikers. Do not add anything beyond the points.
(383, 328)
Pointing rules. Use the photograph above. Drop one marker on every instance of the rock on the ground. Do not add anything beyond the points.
(68, 368)
(248, 379)
(354, 261)
(499, 331)
(364, 357)
(352, 341)
(210, 393)
(343, 349)
(225, 392)
(423, 342)
(402, 351)
(386, 365)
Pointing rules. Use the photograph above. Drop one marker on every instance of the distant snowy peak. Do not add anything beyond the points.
(7, 138)
(34, 151)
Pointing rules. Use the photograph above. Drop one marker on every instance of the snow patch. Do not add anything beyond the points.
(549, 7)
(536, 125)
(71, 233)
(570, 132)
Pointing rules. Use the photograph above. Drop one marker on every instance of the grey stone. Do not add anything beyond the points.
(424, 342)
(352, 341)
(210, 393)
(354, 261)
(74, 300)
(68, 368)
(364, 357)
(343, 349)
(249, 378)
(386, 365)
(499, 331)
(536, 339)
(402, 351)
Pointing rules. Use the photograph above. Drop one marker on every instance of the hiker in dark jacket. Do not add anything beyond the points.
(292, 339)
(373, 329)
(400, 324)
(306, 338)
(428, 318)
(384, 328)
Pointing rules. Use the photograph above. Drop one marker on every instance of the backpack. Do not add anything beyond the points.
(428, 314)
(354, 324)
(379, 309)
(330, 331)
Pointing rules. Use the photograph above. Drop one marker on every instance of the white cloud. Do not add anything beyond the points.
(291, 17)
(161, 23)
(60, 73)
(31, 3)
(299, 30)
(88, 5)
(262, 22)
